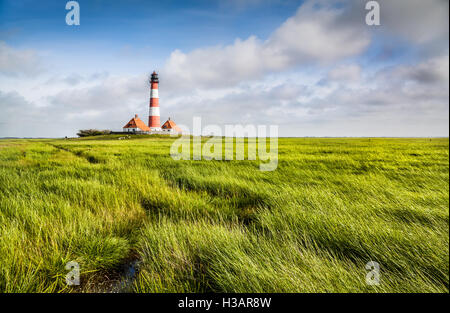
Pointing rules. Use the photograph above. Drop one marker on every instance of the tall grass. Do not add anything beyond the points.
(331, 206)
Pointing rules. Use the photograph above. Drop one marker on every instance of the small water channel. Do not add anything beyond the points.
(125, 282)
(122, 280)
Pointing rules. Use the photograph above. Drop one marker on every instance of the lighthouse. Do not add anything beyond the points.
(137, 126)
(153, 118)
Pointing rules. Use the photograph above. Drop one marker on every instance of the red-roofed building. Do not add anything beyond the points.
(136, 125)
(170, 126)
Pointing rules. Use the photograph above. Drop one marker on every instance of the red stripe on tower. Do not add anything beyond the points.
(153, 119)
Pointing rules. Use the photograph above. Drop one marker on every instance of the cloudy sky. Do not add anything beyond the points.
(315, 68)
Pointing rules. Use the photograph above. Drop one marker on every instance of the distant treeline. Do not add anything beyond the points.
(92, 132)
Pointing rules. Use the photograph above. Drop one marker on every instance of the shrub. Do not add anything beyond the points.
(92, 132)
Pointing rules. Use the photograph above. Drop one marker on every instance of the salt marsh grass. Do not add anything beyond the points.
(331, 206)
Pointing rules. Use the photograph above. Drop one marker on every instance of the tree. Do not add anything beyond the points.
(92, 132)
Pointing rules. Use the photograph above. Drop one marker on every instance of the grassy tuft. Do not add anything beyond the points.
(331, 206)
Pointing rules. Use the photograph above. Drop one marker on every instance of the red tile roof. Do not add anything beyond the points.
(169, 124)
(136, 122)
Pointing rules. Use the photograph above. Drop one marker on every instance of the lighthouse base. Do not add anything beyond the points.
(155, 129)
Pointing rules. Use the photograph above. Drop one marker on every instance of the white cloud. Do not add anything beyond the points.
(418, 21)
(106, 103)
(350, 72)
(432, 71)
(15, 62)
(320, 32)
(313, 35)
(397, 101)
(304, 77)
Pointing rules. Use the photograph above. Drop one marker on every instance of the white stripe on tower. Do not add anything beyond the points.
(154, 111)
(154, 93)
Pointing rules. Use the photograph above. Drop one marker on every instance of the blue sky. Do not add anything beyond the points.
(312, 67)
(150, 29)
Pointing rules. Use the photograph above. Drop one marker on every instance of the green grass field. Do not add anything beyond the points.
(331, 206)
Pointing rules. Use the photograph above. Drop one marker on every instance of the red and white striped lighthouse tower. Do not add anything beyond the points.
(153, 119)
